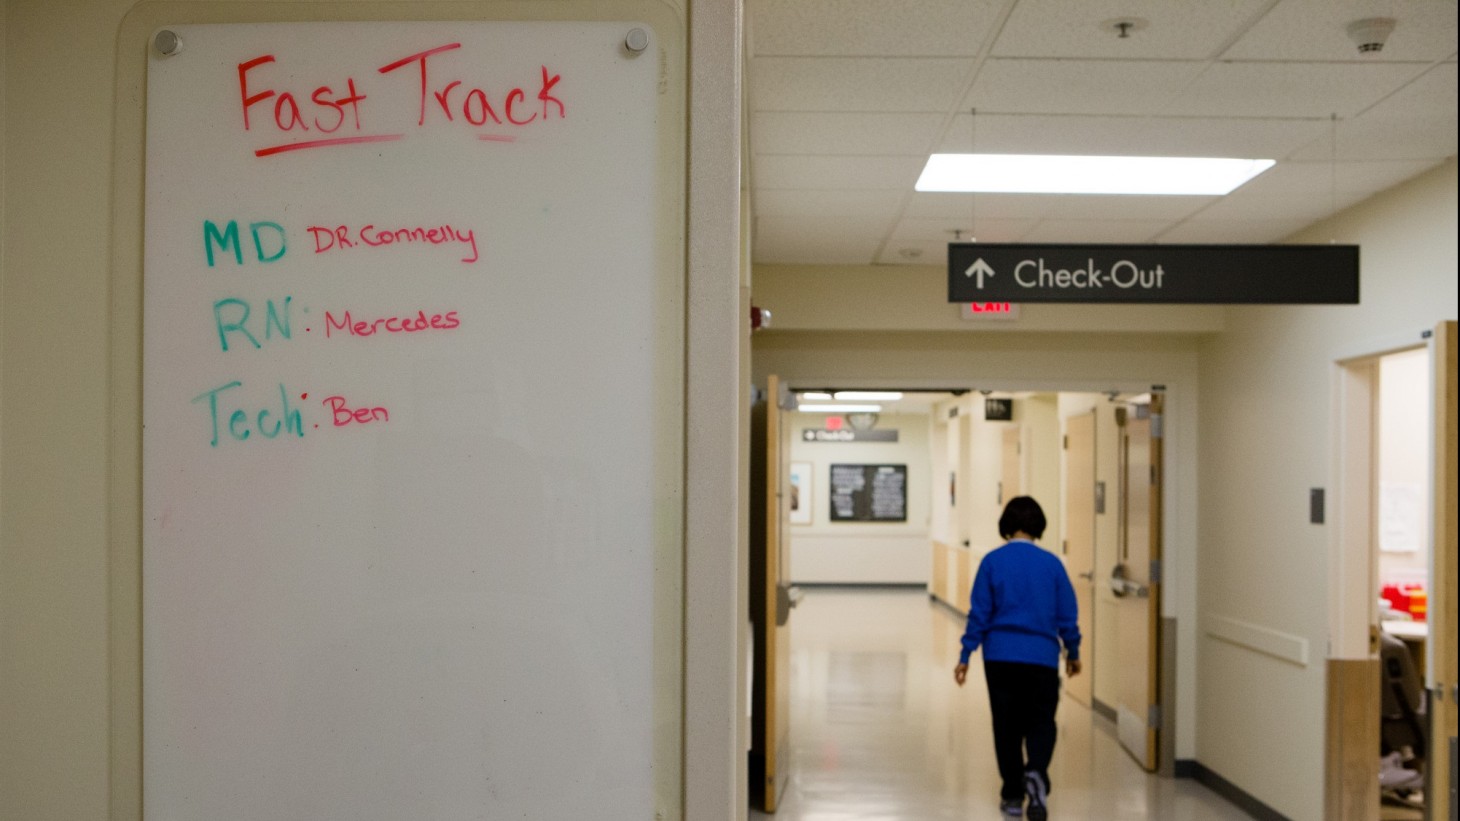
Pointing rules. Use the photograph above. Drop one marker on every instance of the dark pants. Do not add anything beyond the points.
(1022, 698)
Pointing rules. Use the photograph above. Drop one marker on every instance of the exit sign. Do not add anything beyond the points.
(979, 311)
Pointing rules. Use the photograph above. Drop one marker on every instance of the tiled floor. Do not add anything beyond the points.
(880, 731)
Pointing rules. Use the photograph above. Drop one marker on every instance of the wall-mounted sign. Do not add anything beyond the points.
(998, 410)
(1211, 274)
(849, 435)
(798, 485)
(985, 311)
(868, 493)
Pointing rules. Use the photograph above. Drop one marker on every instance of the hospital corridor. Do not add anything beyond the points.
(880, 731)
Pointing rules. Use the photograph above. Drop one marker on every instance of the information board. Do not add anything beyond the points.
(1170, 274)
(868, 493)
(388, 571)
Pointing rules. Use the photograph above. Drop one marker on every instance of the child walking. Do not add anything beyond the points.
(1021, 610)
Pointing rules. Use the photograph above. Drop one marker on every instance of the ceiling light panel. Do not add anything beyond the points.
(1062, 174)
(839, 408)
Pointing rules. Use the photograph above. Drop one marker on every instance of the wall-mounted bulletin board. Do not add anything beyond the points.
(412, 403)
(868, 493)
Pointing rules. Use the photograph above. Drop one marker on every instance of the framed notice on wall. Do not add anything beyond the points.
(798, 485)
(868, 493)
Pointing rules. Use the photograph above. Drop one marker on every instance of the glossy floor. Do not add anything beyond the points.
(880, 731)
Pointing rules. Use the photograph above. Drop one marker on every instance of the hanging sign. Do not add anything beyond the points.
(842, 435)
(1174, 274)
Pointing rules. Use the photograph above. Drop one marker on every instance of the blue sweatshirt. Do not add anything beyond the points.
(1021, 608)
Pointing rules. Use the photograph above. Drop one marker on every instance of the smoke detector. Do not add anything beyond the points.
(1370, 33)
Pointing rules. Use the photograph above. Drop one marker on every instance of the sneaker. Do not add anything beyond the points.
(1012, 809)
(1037, 790)
(1394, 775)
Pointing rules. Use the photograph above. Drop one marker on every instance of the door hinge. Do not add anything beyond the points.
(1158, 426)
(1065, 546)
(1066, 444)
(1001, 492)
(1153, 474)
(1153, 717)
(1155, 571)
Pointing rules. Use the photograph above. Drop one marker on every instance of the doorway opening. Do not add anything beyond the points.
(1382, 584)
(907, 496)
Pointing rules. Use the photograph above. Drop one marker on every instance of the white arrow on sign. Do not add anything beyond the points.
(981, 268)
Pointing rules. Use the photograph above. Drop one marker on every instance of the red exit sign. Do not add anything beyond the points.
(989, 310)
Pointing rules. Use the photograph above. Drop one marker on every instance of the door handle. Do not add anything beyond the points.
(1122, 586)
(1089, 577)
(787, 597)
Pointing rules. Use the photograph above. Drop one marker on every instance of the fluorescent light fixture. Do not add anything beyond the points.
(868, 396)
(1053, 174)
(816, 396)
(840, 408)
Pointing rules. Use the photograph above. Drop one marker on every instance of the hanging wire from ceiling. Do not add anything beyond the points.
(973, 195)
(1332, 172)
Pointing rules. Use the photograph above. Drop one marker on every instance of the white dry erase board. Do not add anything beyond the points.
(412, 421)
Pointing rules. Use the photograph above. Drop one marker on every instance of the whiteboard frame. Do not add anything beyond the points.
(124, 525)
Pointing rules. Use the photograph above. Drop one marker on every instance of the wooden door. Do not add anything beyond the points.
(1079, 543)
(770, 606)
(1444, 585)
(1137, 608)
(1011, 482)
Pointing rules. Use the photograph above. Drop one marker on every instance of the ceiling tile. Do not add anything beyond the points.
(842, 203)
(1318, 30)
(1097, 207)
(1182, 31)
(856, 91)
(1374, 139)
(1234, 232)
(965, 207)
(1121, 231)
(990, 228)
(857, 84)
(888, 28)
(1416, 122)
(1289, 89)
(1311, 190)
(1078, 86)
(1322, 177)
(1135, 136)
(1278, 204)
(798, 132)
(935, 252)
(817, 240)
(831, 173)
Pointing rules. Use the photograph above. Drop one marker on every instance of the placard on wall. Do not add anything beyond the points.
(388, 571)
(868, 493)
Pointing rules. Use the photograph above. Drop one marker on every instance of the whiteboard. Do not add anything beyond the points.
(411, 421)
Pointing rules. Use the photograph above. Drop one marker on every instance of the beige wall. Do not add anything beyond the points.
(1266, 439)
(863, 552)
(53, 490)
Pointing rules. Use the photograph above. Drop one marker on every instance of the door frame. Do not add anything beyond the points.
(1352, 696)
(1176, 667)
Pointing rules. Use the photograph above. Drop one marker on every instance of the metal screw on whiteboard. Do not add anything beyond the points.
(637, 41)
(168, 43)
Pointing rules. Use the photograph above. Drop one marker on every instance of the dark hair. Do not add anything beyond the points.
(1022, 514)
